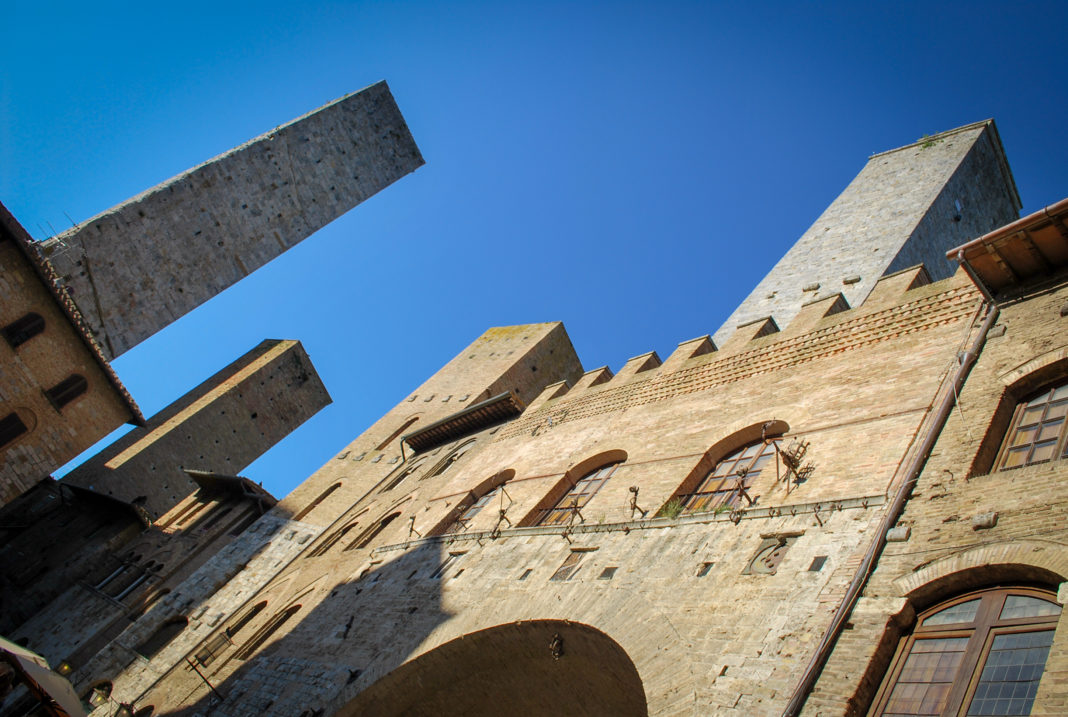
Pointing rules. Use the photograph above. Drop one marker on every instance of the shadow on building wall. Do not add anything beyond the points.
(374, 645)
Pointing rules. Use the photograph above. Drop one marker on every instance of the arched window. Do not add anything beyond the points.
(210, 520)
(265, 632)
(163, 635)
(23, 329)
(67, 390)
(11, 427)
(571, 502)
(404, 426)
(982, 653)
(729, 480)
(245, 619)
(365, 538)
(1039, 430)
(463, 520)
(324, 547)
(401, 476)
(311, 506)
(456, 455)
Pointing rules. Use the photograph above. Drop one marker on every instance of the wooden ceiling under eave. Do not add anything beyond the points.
(1028, 248)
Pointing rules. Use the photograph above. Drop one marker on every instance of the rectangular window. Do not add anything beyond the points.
(571, 565)
(445, 565)
(67, 390)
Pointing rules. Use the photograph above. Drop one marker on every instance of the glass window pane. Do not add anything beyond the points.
(1033, 414)
(1024, 436)
(1057, 410)
(1050, 430)
(1010, 677)
(1060, 392)
(761, 462)
(1043, 452)
(1017, 606)
(927, 677)
(1038, 400)
(1016, 457)
(752, 450)
(963, 612)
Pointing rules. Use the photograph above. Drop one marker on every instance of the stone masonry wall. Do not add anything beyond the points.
(222, 425)
(523, 359)
(945, 553)
(53, 436)
(705, 635)
(143, 264)
(896, 213)
(207, 597)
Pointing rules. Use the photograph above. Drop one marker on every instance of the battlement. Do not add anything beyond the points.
(900, 303)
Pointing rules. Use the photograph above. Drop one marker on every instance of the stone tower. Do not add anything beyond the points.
(907, 206)
(222, 425)
(137, 267)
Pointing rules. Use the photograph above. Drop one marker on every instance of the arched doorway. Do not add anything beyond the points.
(535, 668)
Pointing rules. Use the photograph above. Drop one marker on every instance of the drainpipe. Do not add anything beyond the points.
(912, 473)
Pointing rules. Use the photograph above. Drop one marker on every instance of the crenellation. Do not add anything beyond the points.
(690, 536)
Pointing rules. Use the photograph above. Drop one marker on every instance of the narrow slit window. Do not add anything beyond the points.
(23, 329)
(67, 390)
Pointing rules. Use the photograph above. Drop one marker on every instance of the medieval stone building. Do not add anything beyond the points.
(850, 502)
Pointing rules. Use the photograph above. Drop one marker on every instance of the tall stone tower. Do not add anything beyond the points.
(907, 206)
(222, 425)
(137, 267)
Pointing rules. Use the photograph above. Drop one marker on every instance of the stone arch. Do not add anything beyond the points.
(315, 503)
(400, 474)
(1042, 366)
(570, 477)
(537, 667)
(1002, 563)
(408, 422)
(481, 489)
(1019, 383)
(725, 446)
(1023, 561)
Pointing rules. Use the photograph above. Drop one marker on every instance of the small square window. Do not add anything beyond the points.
(445, 565)
(526, 574)
(703, 569)
(608, 573)
(817, 563)
(570, 566)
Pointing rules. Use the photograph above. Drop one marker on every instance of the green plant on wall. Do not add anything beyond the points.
(672, 509)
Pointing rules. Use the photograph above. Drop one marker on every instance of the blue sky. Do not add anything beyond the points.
(631, 169)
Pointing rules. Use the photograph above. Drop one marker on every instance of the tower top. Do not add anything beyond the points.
(906, 207)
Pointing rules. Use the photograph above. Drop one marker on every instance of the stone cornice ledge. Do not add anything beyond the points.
(817, 508)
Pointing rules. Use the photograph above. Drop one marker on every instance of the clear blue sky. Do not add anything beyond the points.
(630, 169)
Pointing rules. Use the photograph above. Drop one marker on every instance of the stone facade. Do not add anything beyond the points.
(760, 528)
(99, 571)
(41, 432)
(222, 425)
(143, 264)
(664, 587)
(907, 206)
